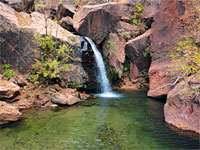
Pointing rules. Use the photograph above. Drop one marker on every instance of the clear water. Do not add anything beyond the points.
(102, 77)
(132, 122)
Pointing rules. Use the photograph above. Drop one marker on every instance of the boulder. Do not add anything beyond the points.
(134, 71)
(65, 99)
(8, 89)
(67, 23)
(113, 50)
(21, 5)
(96, 21)
(166, 32)
(126, 30)
(64, 11)
(16, 40)
(182, 110)
(136, 48)
(8, 113)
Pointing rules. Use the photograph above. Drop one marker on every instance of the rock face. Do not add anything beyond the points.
(97, 21)
(113, 50)
(166, 31)
(21, 5)
(65, 99)
(67, 23)
(8, 89)
(64, 11)
(16, 40)
(136, 48)
(8, 113)
(181, 110)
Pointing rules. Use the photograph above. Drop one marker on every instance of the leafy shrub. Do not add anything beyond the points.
(53, 59)
(9, 73)
(136, 18)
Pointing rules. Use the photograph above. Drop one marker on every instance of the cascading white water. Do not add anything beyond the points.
(102, 77)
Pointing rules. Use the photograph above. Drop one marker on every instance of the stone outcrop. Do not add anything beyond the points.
(182, 110)
(64, 11)
(67, 23)
(96, 21)
(21, 5)
(8, 89)
(8, 113)
(136, 48)
(113, 50)
(17, 31)
(166, 31)
(17, 38)
(65, 99)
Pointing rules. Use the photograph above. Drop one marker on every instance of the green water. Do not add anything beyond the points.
(132, 122)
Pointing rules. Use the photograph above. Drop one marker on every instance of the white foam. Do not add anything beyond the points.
(109, 95)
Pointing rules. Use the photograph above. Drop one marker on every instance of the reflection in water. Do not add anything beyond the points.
(131, 122)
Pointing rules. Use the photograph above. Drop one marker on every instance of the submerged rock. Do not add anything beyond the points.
(8, 89)
(8, 113)
(183, 110)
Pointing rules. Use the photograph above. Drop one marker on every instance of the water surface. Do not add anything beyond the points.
(130, 122)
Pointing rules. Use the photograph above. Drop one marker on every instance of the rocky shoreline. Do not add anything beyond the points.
(136, 58)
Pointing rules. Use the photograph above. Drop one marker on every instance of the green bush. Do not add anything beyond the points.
(9, 73)
(53, 59)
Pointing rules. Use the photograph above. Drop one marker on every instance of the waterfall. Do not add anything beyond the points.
(102, 77)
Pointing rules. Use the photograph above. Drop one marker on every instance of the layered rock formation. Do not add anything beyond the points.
(166, 32)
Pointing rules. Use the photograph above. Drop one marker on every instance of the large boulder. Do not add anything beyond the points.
(17, 38)
(183, 110)
(8, 113)
(136, 49)
(96, 21)
(166, 32)
(8, 89)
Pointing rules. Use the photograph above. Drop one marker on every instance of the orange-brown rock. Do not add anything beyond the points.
(166, 32)
(8, 113)
(183, 110)
(136, 48)
(8, 89)
(114, 51)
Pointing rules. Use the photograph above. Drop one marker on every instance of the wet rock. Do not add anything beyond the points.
(183, 110)
(64, 11)
(166, 32)
(64, 99)
(8, 113)
(136, 48)
(113, 50)
(96, 21)
(16, 40)
(8, 89)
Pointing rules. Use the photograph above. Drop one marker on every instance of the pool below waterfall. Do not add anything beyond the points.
(132, 122)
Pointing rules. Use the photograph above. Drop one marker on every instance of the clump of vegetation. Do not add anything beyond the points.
(112, 45)
(53, 60)
(147, 52)
(186, 53)
(136, 17)
(9, 73)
